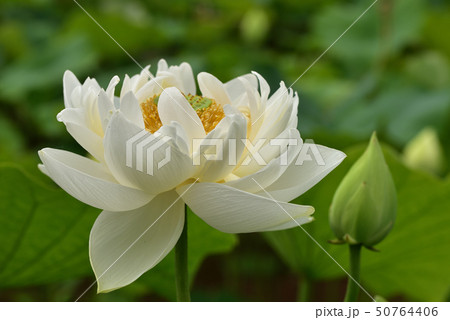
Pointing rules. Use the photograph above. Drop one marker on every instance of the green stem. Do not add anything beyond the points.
(352, 286)
(304, 290)
(181, 264)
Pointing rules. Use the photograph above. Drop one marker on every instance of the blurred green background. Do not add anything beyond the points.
(389, 73)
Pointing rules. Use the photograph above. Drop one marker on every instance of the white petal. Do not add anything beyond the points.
(89, 182)
(124, 245)
(89, 140)
(276, 118)
(137, 158)
(301, 177)
(72, 115)
(131, 109)
(76, 96)
(180, 76)
(178, 134)
(151, 88)
(255, 107)
(268, 174)
(277, 94)
(234, 211)
(162, 65)
(76, 125)
(173, 106)
(92, 84)
(139, 80)
(293, 121)
(70, 82)
(264, 88)
(43, 169)
(260, 152)
(105, 108)
(218, 153)
(116, 103)
(235, 88)
(213, 88)
(263, 119)
(136, 82)
(187, 78)
(126, 85)
(112, 86)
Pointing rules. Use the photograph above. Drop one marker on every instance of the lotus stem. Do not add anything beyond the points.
(181, 264)
(353, 282)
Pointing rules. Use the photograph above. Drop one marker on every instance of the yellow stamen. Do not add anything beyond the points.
(211, 116)
(150, 114)
(209, 112)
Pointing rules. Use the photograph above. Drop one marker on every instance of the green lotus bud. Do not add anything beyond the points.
(425, 152)
(365, 204)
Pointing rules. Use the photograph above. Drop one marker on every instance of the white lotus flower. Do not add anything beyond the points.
(234, 196)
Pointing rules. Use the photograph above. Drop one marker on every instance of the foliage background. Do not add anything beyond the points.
(390, 73)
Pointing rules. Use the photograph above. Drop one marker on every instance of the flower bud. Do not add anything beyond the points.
(365, 204)
(424, 152)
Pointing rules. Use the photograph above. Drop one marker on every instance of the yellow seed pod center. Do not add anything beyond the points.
(209, 112)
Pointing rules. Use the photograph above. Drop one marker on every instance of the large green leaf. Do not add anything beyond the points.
(43, 232)
(413, 259)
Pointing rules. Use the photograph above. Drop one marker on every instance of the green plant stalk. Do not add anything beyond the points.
(355, 262)
(181, 264)
(304, 289)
